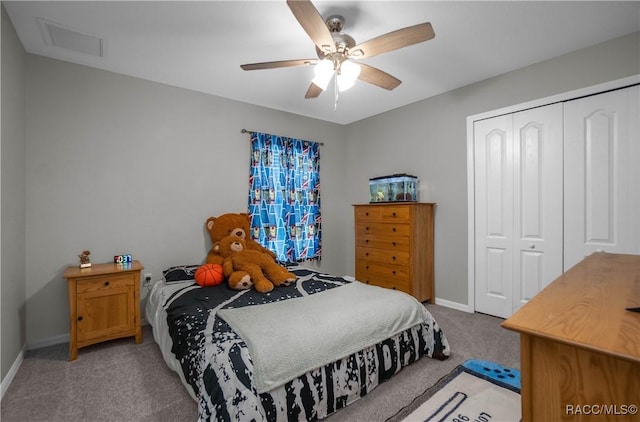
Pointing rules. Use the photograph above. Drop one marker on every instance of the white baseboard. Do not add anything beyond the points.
(454, 305)
(50, 341)
(62, 338)
(8, 379)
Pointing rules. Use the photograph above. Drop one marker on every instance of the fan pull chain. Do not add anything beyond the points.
(335, 90)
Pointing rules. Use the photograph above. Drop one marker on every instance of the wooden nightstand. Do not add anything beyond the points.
(104, 304)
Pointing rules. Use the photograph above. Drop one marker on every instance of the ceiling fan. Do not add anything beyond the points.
(336, 50)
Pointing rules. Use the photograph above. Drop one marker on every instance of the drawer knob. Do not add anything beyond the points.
(106, 283)
(367, 267)
(366, 241)
(393, 229)
(394, 214)
(367, 253)
(393, 243)
(366, 228)
(366, 213)
(79, 318)
(394, 287)
(393, 257)
(393, 272)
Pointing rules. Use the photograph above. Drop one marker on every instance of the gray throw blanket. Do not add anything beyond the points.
(289, 338)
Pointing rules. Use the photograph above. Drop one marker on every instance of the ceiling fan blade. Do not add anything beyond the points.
(278, 64)
(378, 77)
(393, 40)
(313, 24)
(313, 91)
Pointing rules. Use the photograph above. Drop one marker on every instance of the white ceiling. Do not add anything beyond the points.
(200, 45)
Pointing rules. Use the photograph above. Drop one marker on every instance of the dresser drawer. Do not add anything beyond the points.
(383, 213)
(388, 284)
(395, 257)
(387, 271)
(390, 243)
(395, 213)
(383, 229)
(387, 276)
(368, 213)
(102, 283)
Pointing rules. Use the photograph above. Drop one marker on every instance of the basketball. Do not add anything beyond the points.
(209, 275)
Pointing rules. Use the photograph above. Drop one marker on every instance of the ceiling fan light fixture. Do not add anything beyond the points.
(349, 72)
(323, 73)
(335, 49)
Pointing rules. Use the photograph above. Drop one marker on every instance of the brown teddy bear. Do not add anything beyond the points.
(262, 270)
(231, 224)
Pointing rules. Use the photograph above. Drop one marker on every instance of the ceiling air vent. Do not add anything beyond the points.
(56, 35)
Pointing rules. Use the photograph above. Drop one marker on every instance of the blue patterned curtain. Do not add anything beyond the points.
(284, 196)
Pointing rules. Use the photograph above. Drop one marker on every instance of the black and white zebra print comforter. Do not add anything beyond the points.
(217, 367)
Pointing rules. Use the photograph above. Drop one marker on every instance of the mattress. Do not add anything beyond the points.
(215, 364)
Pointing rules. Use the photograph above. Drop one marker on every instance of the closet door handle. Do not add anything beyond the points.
(532, 245)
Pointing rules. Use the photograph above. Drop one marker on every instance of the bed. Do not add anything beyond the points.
(300, 352)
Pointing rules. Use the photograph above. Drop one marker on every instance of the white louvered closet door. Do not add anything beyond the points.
(602, 175)
(518, 207)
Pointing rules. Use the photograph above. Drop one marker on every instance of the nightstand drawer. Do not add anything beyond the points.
(101, 283)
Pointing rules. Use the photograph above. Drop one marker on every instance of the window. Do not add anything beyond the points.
(284, 196)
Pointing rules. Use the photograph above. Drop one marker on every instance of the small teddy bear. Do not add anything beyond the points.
(245, 268)
(85, 262)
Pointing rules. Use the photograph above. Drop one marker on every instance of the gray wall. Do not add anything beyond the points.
(117, 164)
(12, 199)
(429, 139)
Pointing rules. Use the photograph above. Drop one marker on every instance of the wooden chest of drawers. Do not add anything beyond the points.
(104, 304)
(394, 247)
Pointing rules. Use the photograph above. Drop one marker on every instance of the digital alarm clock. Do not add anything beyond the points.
(122, 259)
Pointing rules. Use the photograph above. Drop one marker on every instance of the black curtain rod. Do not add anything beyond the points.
(255, 131)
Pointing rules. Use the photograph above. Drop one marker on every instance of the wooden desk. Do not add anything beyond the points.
(579, 347)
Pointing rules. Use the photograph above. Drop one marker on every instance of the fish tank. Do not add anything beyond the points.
(393, 188)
